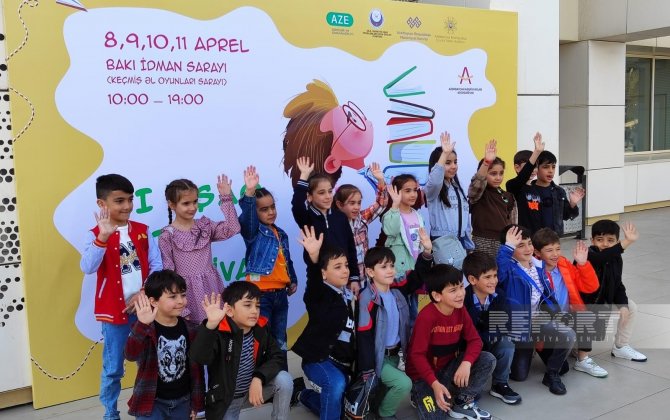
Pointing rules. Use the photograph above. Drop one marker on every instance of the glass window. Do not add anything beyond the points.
(661, 104)
(638, 103)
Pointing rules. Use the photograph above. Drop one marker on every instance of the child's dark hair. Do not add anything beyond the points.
(378, 255)
(478, 263)
(544, 237)
(402, 179)
(522, 156)
(239, 290)
(314, 180)
(345, 191)
(164, 281)
(605, 227)
(173, 192)
(262, 192)
(105, 184)
(329, 252)
(525, 232)
(441, 276)
(444, 197)
(496, 161)
(545, 157)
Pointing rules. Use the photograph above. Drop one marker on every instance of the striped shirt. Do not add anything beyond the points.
(246, 369)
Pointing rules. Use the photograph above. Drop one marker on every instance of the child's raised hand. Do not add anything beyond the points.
(445, 141)
(490, 151)
(224, 185)
(377, 173)
(305, 166)
(580, 253)
(251, 180)
(513, 236)
(537, 140)
(630, 232)
(145, 313)
(576, 195)
(212, 307)
(105, 224)
(424, 238)
(394, 194)
(310, 242)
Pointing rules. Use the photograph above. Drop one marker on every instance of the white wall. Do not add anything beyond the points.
(15, 370)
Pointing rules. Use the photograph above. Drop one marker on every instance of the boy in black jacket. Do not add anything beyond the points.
(488, 308)
(542, 203)
(605, 257)
(243, 360)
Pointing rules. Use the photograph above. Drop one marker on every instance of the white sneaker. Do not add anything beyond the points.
(401, 361)
(628, 353)
(589, 366)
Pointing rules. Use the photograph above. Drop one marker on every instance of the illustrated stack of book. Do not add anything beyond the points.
(408, 126)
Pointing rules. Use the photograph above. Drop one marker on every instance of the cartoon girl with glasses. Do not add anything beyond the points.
(330, 134)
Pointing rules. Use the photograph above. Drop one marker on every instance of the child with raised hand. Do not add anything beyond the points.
(312, 205)
(487, 305)
(123, 253)
(186, 243)
(348, 199)
(491, 208)
(401, 224)
(569, 281)
(530, 295)
(169, 385)
(448, 206)
(268, 260)
(445, 356)
(605, 256)
(326, 345)
(542, 203)
(244, 362)
(383, 322)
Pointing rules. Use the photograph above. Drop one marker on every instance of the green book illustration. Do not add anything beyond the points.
(416, 152)
(394, 89)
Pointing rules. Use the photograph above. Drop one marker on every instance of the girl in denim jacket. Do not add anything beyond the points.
(268, 260)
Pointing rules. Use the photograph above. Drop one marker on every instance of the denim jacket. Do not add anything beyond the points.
(261, 242)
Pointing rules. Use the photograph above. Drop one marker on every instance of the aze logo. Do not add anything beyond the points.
(339, 19)
(465, 76)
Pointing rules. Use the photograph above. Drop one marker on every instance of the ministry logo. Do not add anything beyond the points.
(450, 25)
(413, 22)
(376, 18)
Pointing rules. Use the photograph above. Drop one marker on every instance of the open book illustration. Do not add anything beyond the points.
(395, 89)
(415, 152)
(409, 109)
(402, 128)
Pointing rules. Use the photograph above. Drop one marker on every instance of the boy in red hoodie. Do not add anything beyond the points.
(444, 355)
(568, 281)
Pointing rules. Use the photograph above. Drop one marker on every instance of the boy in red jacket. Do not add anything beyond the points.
(123, 253)
(568, 281)
(437, 363)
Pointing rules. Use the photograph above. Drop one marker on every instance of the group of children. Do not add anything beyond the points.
(491, 265)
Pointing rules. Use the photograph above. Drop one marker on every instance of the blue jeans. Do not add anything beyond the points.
(115, 337)
(274, 306)
(503, 350)
(279, 389)
(177, 409)
(331, 381)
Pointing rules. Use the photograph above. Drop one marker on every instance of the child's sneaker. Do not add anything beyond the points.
(628, 353)
(468, 411)
(298, 387)
(553, 381)
(401, 360)
(505, 393)
(589, 366)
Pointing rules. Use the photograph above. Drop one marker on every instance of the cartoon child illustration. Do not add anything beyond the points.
(330, 134)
